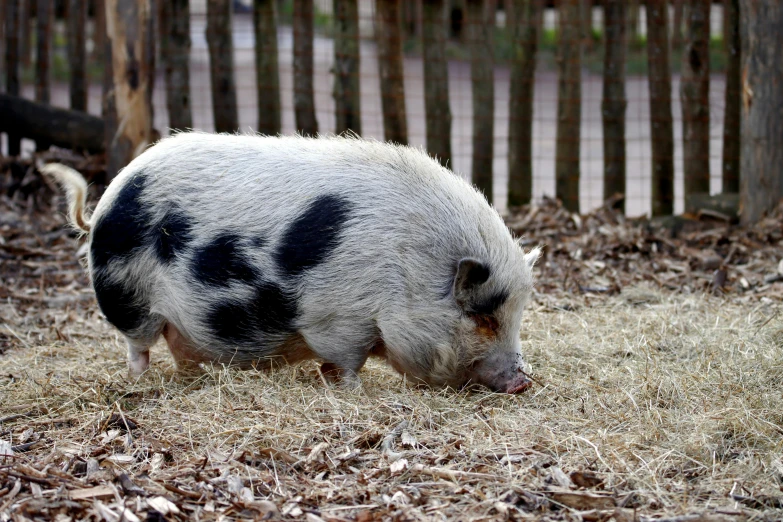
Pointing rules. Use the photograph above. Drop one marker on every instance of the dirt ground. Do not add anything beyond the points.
(656, 352)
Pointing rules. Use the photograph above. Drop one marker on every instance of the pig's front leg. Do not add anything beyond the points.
(346, 378)
(344, 348)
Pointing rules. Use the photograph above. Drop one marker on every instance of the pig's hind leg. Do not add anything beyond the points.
(185, 356)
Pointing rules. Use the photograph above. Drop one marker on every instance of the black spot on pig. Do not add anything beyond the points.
(172, 235)
(122, 229)
(275, 309)
(222, 261)
(489, 305)
(313, 236)
(244, 323)
(118, 304)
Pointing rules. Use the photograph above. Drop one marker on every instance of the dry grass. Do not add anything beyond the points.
(658, 405)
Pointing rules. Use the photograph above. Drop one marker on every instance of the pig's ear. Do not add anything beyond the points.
(471, 273)
(532, 256)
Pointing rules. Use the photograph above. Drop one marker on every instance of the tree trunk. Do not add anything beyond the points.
(77, 53)
(731, 118)
(436, 81)
(389, 38)
(304, 97)
(175, 54)
(483, 94)
(695, 98)
(662, 134)
(267, 70)
(51, 125)
(127, 22)
(569, 106)
(347, 96)
(614, 103)
(12, 65)
(221, 65)
(761, 182)
(520, 126)
(43, 25)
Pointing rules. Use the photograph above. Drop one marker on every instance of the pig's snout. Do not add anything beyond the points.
(501, 373)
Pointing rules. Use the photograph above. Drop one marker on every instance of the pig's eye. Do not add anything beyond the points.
(486, 324)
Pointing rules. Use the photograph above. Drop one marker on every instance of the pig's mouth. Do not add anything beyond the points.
(520, 385)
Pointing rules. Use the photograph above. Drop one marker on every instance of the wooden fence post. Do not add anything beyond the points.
(12, 64)
(659, 77)
(389, 38)
(614, 102)
(304, 97)
(127, 23)
(731, 119)
(436, 81)
(221, 65)
(77, 53)
(347, 95)
(525, 29)
(267, 70)
(480, 42)
(43, 32)
(695, 98)
(175, 54)
(569, 106)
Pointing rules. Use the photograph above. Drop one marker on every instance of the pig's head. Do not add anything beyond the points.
(490, 301)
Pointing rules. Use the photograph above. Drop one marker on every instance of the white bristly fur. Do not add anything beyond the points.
(389, 277)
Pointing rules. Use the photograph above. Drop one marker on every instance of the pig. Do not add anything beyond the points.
(245, 250)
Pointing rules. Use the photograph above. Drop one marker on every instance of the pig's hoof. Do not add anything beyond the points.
(138, 365)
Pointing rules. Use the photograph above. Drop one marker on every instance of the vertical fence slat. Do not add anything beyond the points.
(614, 103)
(389, 37)
(761, 156)
(436, 81)
(12, 64)
(221, 65)
(267, 69)
(175, 55)
(731, 118)
(77, 53)
(25, 35)
(43, 32)
(347, 99)
(695, 98)
(569, 105)
(304, 97)
(662, 133)
(482, 81)
(525, 29)
(128, 22)
(678, 10)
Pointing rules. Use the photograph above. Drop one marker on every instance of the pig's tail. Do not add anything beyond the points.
(76, 190)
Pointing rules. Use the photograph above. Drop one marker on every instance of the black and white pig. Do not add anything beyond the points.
(243, 249)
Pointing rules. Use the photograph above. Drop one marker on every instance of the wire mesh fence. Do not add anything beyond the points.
(477, 37)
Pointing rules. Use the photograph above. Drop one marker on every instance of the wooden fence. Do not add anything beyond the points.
(585, 101)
